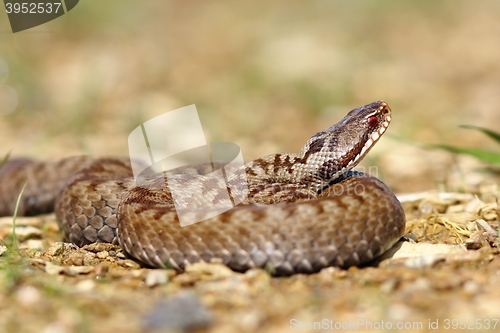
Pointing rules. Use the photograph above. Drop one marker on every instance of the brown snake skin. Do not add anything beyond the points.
(303, 212)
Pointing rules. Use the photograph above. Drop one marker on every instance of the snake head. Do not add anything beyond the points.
(342, 146)
(363, 127)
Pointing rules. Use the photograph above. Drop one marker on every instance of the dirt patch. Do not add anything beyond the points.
(451, 273)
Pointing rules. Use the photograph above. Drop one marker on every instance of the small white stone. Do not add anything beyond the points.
(156, 277)
(85, 285)
(52, 269)
(34, 244)
(28, 295)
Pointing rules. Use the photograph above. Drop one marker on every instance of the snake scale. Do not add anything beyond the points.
(303, 211)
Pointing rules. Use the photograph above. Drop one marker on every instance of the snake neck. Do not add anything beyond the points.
(329, 154)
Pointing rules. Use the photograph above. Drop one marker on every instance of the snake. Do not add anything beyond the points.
(302, 212)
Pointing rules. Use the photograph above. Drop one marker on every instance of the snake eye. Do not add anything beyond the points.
(372, 121)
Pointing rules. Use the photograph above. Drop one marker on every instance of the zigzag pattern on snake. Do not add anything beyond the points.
(303, 212)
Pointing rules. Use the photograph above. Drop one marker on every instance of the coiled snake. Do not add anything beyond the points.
(303, 212)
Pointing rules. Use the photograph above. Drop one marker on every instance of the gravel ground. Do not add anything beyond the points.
(451, 273)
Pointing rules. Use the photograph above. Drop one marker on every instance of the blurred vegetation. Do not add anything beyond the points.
(4, 160)
(12, 262)
(483, 155)
(263, 75)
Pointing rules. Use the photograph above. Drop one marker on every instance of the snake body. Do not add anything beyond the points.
(302, 212)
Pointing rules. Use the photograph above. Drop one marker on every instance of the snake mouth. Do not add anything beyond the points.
(382, 125)
(374, 137)
(383, 111)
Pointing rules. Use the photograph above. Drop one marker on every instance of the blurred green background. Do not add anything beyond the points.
(263, 75)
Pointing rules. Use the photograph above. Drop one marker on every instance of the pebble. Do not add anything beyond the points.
(399, 312)
(486, 227)
(476, 241)
(75, 258)
(52, 269)
(85, 285)
(418, 255)
(99, 247)
(58, 249)
(251, 320)
(35, 221)
(421, 284)
(156, 277)
(102, 254)
(182, 312)
(55, 327)
(34, 244)
(209, 271)
(471, 287)
(28, 295)
(76, 270)
(389, 286)
(127, 263)
(23, 233)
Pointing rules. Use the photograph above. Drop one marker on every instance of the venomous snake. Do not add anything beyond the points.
(303, 212)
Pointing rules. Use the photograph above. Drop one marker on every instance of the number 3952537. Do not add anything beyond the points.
(32, 7)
